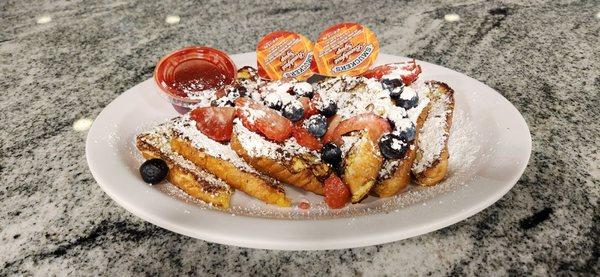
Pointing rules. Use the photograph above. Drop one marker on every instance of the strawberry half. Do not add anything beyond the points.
(336, 192)
(376, 126)
(305, 138)
(215, 122)
(412, 68)
(309, 106)
(260, 119)
(332, 123)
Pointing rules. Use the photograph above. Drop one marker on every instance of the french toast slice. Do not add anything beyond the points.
(361, 166)
(220, 160)
(395, 174)
(362, 160)
(183, 173)
(300, 170)
(431, 163)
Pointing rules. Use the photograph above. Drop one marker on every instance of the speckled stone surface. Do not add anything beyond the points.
(543, 56)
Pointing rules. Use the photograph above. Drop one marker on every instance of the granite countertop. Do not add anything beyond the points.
(64, 61)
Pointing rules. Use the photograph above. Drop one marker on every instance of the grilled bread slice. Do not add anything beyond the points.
(183, 173)
(395, 174)
(361, 166)
(431, 163)
(227, 166)
(301, 170)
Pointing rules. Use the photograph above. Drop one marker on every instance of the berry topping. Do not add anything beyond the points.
(329, 108)
(153, 171)
(331, 154)
(406, 133)
(407, 71)
(333, 122)
(375, 125)
(336, 193)
(258, 118)
(293, 111)
(338, 169)
(392, 147)
(303, 89)
(408, 99)
(305, 138)
(309, 107)
(214, 122)
(273, 102)
(316, 125)
(393, 86)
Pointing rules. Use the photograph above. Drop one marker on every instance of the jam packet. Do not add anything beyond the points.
(285, 55)
(345, 49)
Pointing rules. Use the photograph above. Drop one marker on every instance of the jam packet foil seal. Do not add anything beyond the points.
(345, 49)
(285, 55)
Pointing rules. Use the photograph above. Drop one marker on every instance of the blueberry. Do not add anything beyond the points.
(393, 86)
(293, 111)
(329, 109)
(392, 147)
(408, 101)
(316, 125)
(316, 78)
(275, 105)
(153, 171)
(338, 169)
(331, 153)
(303, 89)
(408, 133)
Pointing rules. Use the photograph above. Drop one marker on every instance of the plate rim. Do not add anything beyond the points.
(314, 244)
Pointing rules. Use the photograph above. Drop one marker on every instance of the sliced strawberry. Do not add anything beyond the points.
(336, 192)
(309, 106)
(412, 68)
(376, 126)
(305, 138)
(215, 122)
(264, 121)
(377, 72)
(332, 123)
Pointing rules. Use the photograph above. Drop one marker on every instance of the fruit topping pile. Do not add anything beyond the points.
(320, 116)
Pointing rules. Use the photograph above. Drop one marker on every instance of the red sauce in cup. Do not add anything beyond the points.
(186, 75)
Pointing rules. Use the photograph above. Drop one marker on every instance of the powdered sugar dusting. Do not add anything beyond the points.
(186, 127)
(464, 151)
(257, 146)
(160, 136)
(433, 135)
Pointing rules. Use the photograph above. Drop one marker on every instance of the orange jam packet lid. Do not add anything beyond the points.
(283, 55)
(345, 49)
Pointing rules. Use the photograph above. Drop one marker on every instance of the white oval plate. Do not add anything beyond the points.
(489, 145)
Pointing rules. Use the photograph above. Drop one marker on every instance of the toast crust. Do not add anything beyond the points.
(187, 180)
(247, 182)
(399, 180)
(302, 178)
(436, 172)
